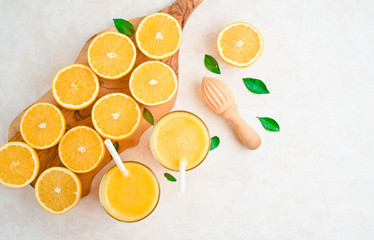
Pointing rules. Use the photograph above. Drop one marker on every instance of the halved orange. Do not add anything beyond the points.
(116, 116)
(58, 190)
(19, 164)
(75, 86)
(42, 125)
(240, 44)
(153, 83)
(81, 149)
(111, 55)
(159, 35)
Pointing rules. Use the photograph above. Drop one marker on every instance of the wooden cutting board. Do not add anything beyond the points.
(181, 10)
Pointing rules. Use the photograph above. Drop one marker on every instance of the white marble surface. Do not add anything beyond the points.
(313, 180)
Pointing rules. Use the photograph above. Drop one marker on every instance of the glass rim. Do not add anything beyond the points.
(158, 197)
(176, 111)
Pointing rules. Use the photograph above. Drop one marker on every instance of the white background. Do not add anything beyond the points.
(312, 180)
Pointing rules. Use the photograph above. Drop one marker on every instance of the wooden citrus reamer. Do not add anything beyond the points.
(181, 10)
(220, 99)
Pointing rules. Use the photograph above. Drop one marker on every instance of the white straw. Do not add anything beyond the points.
(182, 177)
(116, 157)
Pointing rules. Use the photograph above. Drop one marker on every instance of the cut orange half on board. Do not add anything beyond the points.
(58, 190)
(42, 125)
(240, 44)
(153, 83)
(159, 35)
(19, 164)
(75, 86)
(116, 116)
(111, 55)
(81, 149)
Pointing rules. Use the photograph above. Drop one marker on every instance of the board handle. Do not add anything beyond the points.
(182, 9)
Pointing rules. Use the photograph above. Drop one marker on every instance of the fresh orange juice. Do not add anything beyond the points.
(131, 197)
(180, 136)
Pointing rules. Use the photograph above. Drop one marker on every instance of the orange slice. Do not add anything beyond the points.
(75, 86)
(19, 164)
(153, 83)
(81, 149)
(58, 190)
(159, 36)
(42, 125)
(116, 116)
(240, 44)
(111, 55)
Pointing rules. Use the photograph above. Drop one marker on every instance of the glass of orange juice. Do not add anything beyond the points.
(131, 197)
(180, 136)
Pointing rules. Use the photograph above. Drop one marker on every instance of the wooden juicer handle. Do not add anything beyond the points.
(247, 135)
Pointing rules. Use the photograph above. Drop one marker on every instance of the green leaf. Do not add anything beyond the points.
(269, 124)
(170, 177)
(255, 85)
(124, 26)
(148, 116)
(116, 146)
(211, 64)
(214, 142)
